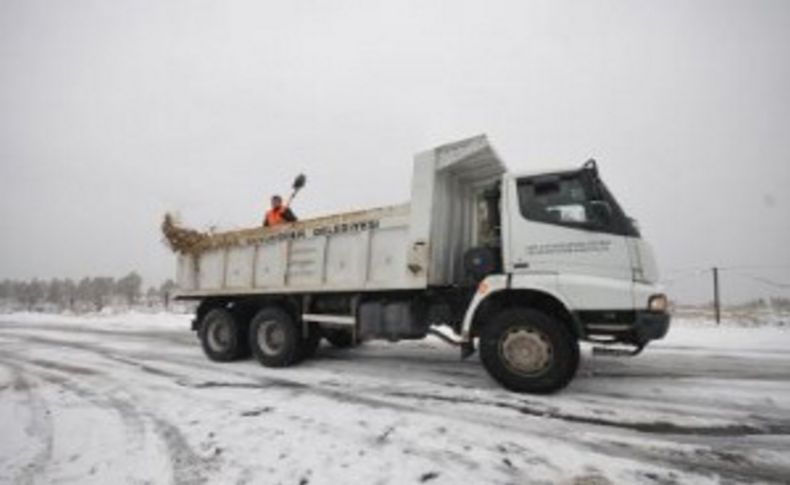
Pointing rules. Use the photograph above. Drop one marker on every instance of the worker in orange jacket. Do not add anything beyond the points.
(278, 214)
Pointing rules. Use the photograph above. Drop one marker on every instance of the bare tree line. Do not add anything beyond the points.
(89, 293)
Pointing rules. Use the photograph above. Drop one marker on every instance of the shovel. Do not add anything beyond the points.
(299, 182)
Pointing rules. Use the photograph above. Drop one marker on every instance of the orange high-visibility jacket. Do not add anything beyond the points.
(274, 216)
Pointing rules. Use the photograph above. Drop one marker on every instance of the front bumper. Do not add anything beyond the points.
(631, 327)
(649, 326)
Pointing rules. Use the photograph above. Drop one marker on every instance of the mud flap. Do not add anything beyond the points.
(467, 349)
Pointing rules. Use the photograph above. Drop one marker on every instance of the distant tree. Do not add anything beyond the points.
(55, 293)
(101, 289)
(129, 287)
(7, 294)
(152, 295)
(5, 289)
(780, 303)
(21, 291)
(32, 293)
(84, 290)
(39, 289)
(12, 296)
(69, 293)
(166, 292)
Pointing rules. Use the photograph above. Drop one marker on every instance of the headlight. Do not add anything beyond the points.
(657, 303)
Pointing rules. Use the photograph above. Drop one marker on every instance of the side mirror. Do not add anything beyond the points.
(600, 212)
(592, 166)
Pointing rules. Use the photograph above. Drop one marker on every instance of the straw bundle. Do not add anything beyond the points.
(190, 241)
(181, 239)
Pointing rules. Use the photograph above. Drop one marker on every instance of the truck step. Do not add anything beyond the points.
(443, 336)
(618, 351)
(467, 348)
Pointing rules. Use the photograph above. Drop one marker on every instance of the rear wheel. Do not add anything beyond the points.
(274, 338)
(221, 336)
(529, 351)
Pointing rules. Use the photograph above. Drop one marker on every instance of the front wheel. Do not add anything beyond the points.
(528, 351)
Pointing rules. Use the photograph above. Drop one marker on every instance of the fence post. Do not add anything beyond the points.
(716, 302)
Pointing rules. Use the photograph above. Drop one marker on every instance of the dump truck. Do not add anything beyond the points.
(519, 267)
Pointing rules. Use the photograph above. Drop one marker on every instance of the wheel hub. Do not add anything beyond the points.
(219, 335)
(526, 350)
(271, 337)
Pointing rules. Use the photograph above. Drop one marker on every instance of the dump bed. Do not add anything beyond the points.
(409, 246)
(343, 252)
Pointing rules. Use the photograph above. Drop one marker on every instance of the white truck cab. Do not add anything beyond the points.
(564, 235)
(519, 266)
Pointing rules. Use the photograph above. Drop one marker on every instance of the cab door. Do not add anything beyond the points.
(563, 224)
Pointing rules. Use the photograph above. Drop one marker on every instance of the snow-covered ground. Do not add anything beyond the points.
(131, 399)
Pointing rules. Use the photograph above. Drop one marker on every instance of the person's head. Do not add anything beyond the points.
(277, 201)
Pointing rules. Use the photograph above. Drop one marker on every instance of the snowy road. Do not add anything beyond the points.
(131, 399)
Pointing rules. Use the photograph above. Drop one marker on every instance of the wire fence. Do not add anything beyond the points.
(733, 290)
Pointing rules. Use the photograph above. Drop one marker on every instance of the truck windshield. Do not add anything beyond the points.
(575, 199)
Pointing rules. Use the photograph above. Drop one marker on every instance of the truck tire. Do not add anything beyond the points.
(341, 339)
(221, 336)
(274, 338)
(309, 343)
(526, 350)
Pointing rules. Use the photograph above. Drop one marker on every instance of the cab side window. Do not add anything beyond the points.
(573, 199)
(555, 200)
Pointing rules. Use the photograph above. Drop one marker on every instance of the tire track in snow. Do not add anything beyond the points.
(767, 427)
(651, 427)
(39, 427)
(719, 459)
(348, 396)
(704, 460)
(184, 460)
(188, 466)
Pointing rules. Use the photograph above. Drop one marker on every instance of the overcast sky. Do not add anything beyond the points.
(112, 113)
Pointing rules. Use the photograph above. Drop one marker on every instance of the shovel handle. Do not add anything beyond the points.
(293, 194)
